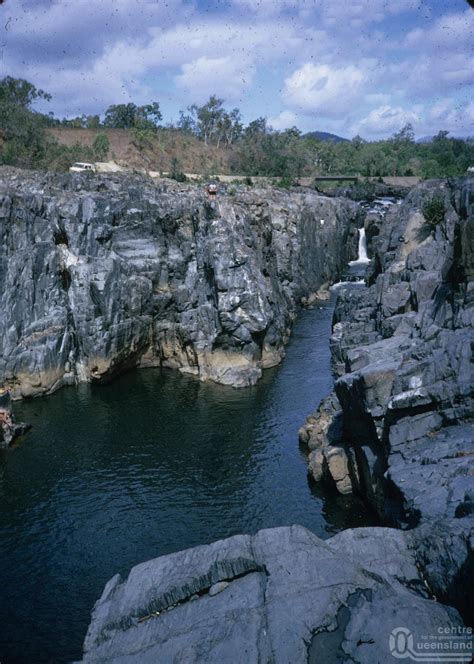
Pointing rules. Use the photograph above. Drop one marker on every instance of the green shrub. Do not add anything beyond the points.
(101, 146)
(176, 171)
(284, 182)
(433, 210)
(179, 176)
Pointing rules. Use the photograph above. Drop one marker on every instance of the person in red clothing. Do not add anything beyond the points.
(212, 191)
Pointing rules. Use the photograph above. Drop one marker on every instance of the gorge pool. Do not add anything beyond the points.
(155, 462)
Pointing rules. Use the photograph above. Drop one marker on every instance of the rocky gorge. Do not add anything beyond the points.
(100, 274)
(397, 430)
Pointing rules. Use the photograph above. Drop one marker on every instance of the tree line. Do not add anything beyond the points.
(252, 149)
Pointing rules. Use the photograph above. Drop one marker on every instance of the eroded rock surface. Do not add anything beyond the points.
(287, 593)
(102, 273)
(401, 414)
(10, 429)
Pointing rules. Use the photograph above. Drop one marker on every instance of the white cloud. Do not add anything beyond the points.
(81, 30)
(201, 57)
(340, 14)
(226, 77)
(268, 7)
(285, 120)
(427, 74)
(355, 13)
(292, 60)
(439, 57)
(324, 90)
(377, 98)
(386, 120)
(448, 31)
(264, 42)
(457, 116)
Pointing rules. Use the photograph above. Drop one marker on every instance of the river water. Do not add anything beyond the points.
(155, 462)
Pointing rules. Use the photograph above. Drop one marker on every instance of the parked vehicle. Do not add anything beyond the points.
(82, 167)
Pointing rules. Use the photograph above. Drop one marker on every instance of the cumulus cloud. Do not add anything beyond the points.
(79, 31)
(356, 13)
(203, 56)
(439, 57)
(343, 13)
(455, 30)
(426, 74)
(185, 42)
(227, 77)
(284, 120)
(324, 90)
(386, 120)
(314, 63)
(447, 113)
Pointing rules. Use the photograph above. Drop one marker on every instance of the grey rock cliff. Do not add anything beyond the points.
(398, 428)
(403, 402)
(102, 273)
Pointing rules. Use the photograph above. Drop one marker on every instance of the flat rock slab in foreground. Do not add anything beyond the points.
(291, 597)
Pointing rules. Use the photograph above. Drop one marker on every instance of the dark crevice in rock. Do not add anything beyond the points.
(396, 512)
(65, 279)
(326, 645)
(60, 236)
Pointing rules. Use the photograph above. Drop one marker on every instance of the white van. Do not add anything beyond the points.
(82, 167)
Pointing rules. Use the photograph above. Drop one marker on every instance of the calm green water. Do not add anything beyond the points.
(155, 462)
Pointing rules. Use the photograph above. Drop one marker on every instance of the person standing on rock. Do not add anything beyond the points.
(212, 191)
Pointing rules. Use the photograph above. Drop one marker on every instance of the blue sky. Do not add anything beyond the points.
(346, 66)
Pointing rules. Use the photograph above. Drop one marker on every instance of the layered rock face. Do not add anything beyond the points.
(102, 273)
(282, 595)
(400, 418)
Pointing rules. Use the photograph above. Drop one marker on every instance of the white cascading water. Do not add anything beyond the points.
(362, 258)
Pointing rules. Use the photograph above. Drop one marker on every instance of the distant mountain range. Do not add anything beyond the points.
(334, 138)
(326, 136)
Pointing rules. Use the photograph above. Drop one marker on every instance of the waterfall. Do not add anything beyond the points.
(362, 258)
